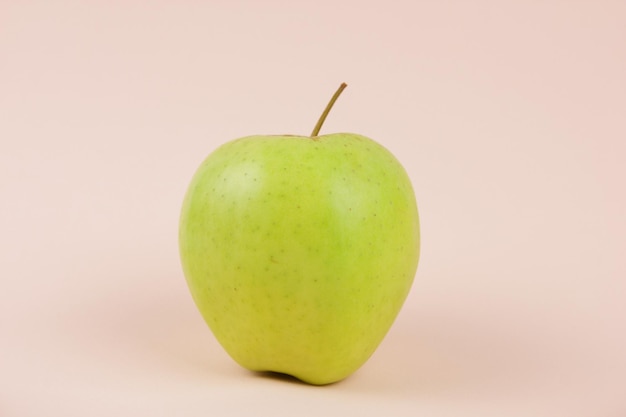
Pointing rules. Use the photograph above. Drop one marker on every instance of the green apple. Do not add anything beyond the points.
(299, 251)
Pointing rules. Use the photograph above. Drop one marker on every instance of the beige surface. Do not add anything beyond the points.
(509, 117)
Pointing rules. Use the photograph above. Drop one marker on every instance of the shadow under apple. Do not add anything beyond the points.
(150, 325)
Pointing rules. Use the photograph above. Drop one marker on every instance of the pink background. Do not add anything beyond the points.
(508, 116)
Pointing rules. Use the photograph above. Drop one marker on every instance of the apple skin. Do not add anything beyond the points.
(300, 251)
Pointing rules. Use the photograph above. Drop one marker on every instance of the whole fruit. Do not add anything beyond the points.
(299, 251)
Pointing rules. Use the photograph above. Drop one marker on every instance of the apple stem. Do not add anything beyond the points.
(329, 106)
